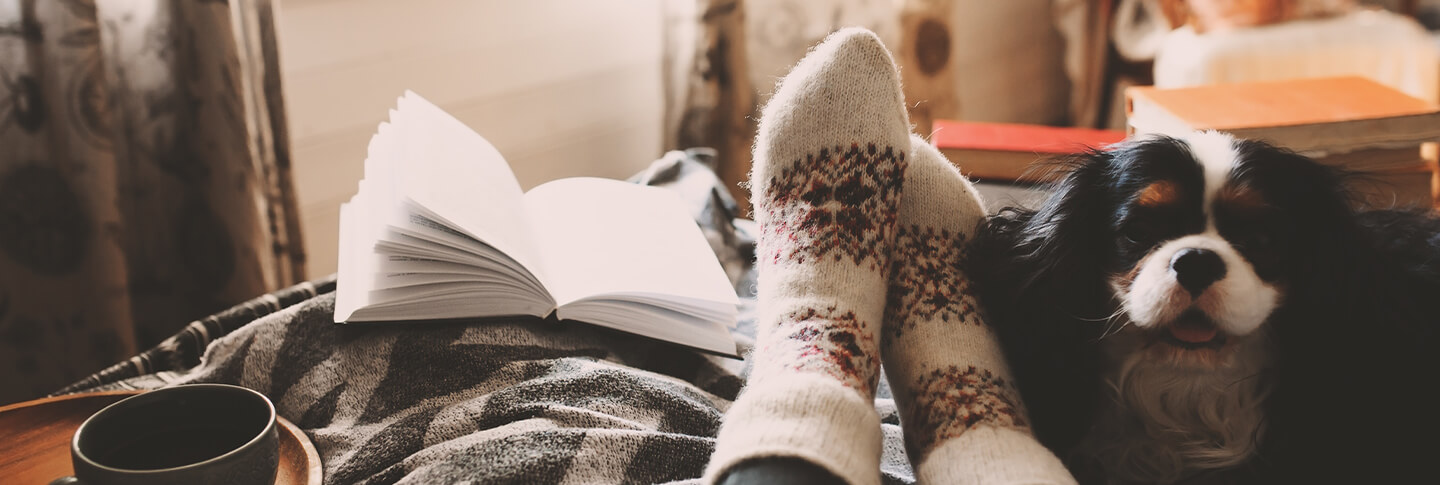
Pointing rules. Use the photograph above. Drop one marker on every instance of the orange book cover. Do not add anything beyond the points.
(1281, 103)
(1315, 116)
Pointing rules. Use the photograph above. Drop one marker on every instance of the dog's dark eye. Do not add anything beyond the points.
(1257, 241)
(1138, 234)
(1140, 229)
(1264, 246)
(1257, 244)
(1261, 234)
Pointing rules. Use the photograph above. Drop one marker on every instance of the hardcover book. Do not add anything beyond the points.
(1315, 116)
(1008, 152)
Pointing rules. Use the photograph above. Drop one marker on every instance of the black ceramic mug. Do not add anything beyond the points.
(198, 433)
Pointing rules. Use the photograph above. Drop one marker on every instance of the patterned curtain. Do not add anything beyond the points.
(144, 177)
(709, 99)
(723, 58)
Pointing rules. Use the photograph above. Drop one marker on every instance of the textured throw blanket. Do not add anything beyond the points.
(517, 400)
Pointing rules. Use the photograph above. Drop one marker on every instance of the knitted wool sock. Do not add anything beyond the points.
(829, 161)
(962, 416)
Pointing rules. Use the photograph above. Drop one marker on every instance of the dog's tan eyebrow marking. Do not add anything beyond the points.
(1242, 199)
(1157, 194)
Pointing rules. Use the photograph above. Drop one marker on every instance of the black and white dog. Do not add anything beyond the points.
(1211, 310)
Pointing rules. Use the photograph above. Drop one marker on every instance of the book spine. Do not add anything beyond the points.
(1146, 117)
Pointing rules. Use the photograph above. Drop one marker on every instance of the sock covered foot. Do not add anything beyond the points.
(829, 160)
(961, 413)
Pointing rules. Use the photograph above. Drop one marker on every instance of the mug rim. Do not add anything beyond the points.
(254, 441)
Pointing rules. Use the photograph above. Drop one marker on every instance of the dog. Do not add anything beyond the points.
(1204, 309)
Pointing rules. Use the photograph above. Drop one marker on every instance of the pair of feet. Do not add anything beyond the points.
(863, 230)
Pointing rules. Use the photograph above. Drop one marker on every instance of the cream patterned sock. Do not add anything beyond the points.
(963, 419)
(826, 186)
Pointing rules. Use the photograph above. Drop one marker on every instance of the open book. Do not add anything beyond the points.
(440, 229)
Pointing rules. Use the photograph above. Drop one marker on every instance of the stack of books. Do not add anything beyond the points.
(1003, 152)
(1365, 127)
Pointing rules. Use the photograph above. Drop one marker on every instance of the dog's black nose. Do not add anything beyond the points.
(1196, 269)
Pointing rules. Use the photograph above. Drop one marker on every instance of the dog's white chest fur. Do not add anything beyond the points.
(1161, 423)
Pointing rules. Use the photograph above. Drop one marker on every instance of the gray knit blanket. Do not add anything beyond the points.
(519, 400)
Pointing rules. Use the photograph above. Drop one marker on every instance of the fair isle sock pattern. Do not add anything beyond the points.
(951, 400)
(836, 203)
(862, 228)
(942, 360)
(836, 208)
(927, 288)
(830, 161)
(829, 342)
(927, 285)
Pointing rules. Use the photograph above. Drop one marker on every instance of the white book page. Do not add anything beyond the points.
(360, 226)
(607, 237)
(455, 305)
(354, 280)
(423, 164)
(362, 223)
(658, 322)
(461, 178)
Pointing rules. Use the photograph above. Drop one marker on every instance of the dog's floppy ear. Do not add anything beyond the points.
(1061, 241)
(1355, 312)
(1041, 283)
(1320, 211)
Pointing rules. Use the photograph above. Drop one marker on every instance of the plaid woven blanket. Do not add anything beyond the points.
(506, 401)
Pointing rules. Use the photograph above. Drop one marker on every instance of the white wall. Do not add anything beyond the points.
(561, 87)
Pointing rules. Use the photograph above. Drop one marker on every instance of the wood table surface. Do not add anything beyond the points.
(35, 440)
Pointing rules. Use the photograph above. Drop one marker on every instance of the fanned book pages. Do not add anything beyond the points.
(440, 229)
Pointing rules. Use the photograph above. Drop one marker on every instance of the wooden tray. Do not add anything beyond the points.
(35, 440)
